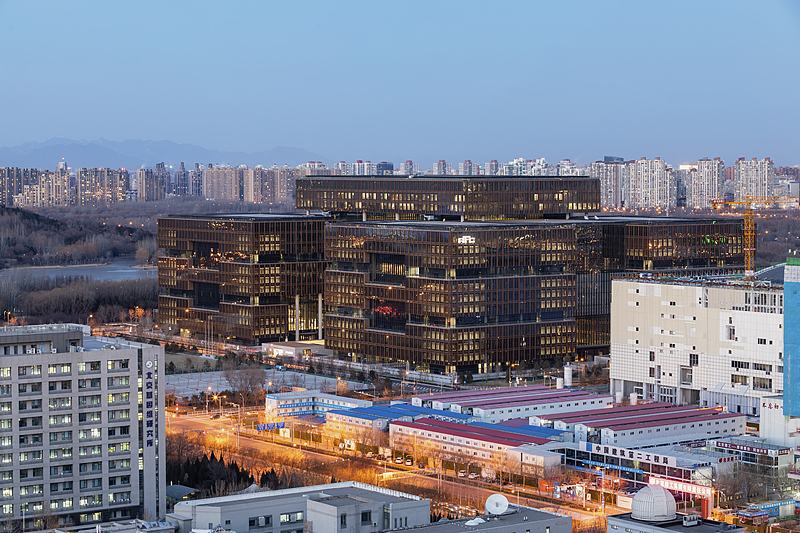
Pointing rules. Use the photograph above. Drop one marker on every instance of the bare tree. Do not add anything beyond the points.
(246, 380)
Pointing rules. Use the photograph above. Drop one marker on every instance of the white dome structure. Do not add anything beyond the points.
(653, 503)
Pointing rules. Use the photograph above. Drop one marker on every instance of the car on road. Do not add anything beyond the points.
(399, 461)
(370, 455)
(473, 475)
(214, 417)
(462, 473)
(409, 462)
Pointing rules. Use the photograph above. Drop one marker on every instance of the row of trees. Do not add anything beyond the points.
(75, 298)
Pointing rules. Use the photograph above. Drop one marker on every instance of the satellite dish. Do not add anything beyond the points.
(496, 504)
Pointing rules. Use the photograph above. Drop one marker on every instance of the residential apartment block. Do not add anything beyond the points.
(753, 177)
(704, 185)
(650, 184)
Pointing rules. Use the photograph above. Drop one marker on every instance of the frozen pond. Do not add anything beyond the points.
(117, 270)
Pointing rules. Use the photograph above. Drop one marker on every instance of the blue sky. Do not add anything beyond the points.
(421, 80)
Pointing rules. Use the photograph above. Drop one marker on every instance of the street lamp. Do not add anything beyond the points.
(207, 393)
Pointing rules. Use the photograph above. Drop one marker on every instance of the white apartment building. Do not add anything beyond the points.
(753, 178)
(690, 342)
(565, 167)
(468, 168)
(492, 168)
(442, 168)
(409, 168)
(81, 427)
(705, 183)
(611, 182)
(650, 184)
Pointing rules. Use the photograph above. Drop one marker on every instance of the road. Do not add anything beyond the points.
(223, 426)
(462, 491)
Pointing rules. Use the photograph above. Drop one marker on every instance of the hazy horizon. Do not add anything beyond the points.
(422, 81)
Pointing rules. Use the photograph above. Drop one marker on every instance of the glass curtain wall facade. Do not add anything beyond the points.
(448, 297)
(238, 278)
(453, 296)
(450, 197)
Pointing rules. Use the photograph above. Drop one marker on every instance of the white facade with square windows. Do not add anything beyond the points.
(77, 438)
(700, 342)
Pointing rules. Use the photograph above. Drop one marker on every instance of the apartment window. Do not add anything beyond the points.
(762, 341)
(694, 359)
(343, 520)
(366, 517)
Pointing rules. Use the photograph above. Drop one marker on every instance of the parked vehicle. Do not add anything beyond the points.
(409, 462)
(399, 461)
(462, 473)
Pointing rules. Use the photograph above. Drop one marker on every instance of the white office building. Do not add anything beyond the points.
(81, 427)
(697, 341)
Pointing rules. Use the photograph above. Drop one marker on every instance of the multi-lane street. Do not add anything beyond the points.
(464, 493)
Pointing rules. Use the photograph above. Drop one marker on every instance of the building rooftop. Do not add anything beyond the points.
(443, 225)
(255, 217)
(655, 422)
(396, 411)
(517, 515)
(534, 398)
(506, 438)
(533, 431)
(632, 417)
(10, 331)
(483, 393)
(616, 411)
(341, 490)
(703, 525)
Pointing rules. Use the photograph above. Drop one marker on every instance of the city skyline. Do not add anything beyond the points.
(551, 80)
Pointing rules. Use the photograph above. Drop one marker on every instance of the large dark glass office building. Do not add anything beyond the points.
(245, 279)
(474, 273)
(455, 296)
(449, 197)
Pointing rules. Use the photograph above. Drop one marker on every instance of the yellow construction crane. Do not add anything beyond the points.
(750, 224)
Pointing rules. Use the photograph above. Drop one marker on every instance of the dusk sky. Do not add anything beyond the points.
(421, 80)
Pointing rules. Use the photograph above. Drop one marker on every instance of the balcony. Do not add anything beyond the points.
(89, 505)
(32, 445)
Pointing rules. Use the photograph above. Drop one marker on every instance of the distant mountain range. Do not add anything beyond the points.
(133, 154)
